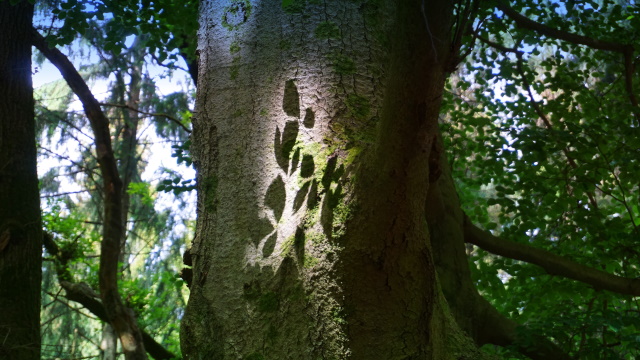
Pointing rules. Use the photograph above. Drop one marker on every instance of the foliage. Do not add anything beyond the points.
(546, 152)
(169, 24)
(116, 40)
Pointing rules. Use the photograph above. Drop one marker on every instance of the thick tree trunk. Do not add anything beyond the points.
(313, 142)
(20, 225)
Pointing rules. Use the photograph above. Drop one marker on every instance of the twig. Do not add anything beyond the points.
(169, 117)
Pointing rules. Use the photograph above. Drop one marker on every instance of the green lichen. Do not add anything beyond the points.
(355, 128)
(268, 302)
(310, 261)
(234, 47)
(235, 68)
(210, 187)
(310, 219)
(358, 106)
(327, 30)
(341, 214)
(284, 44)
(316, 238)
(264, 112)
(254, 356)
(236, 114)
(287, 245)
(342, 64)
(293, 6)
(338, 315)
(236, 14)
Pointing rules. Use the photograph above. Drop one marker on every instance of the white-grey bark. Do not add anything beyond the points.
(275, 99)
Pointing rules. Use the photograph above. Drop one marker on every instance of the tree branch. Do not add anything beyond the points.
(494, 328)
(183, 126)
(82, 294)
(547, 123)
(626, 50)
(85, 296)
(526, 23)
(550, 262)
(118, 315)
(495, 44)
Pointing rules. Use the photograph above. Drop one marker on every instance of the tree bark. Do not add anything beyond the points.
(20, 223)
(313, 137)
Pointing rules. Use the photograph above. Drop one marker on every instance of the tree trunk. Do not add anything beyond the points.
(313, 143)
(20, 224)
(109, 343)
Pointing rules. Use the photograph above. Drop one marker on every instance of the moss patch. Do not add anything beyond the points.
(310, 261)
(293, 6)
(358, 106)
(327, 30)
(316, 238)
(342, 64)
(234, 47)
(210, 187)
(307, 166)
(234, 70)
(254, 356)
(268, 302)
(236, 14)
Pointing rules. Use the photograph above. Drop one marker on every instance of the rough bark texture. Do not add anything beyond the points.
(20, 225)
(313, 143)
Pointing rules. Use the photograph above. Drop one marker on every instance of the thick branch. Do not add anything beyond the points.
(119, 316)
(81, 293)
(550, 262)
(494, 328)
(526, 23)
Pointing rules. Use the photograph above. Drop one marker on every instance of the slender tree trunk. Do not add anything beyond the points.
(109, 343)
(120, 317)
(20, 224)
(126, 151)
(313, 142)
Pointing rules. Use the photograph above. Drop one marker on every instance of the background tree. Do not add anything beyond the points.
(76, 224)
(20, 223)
